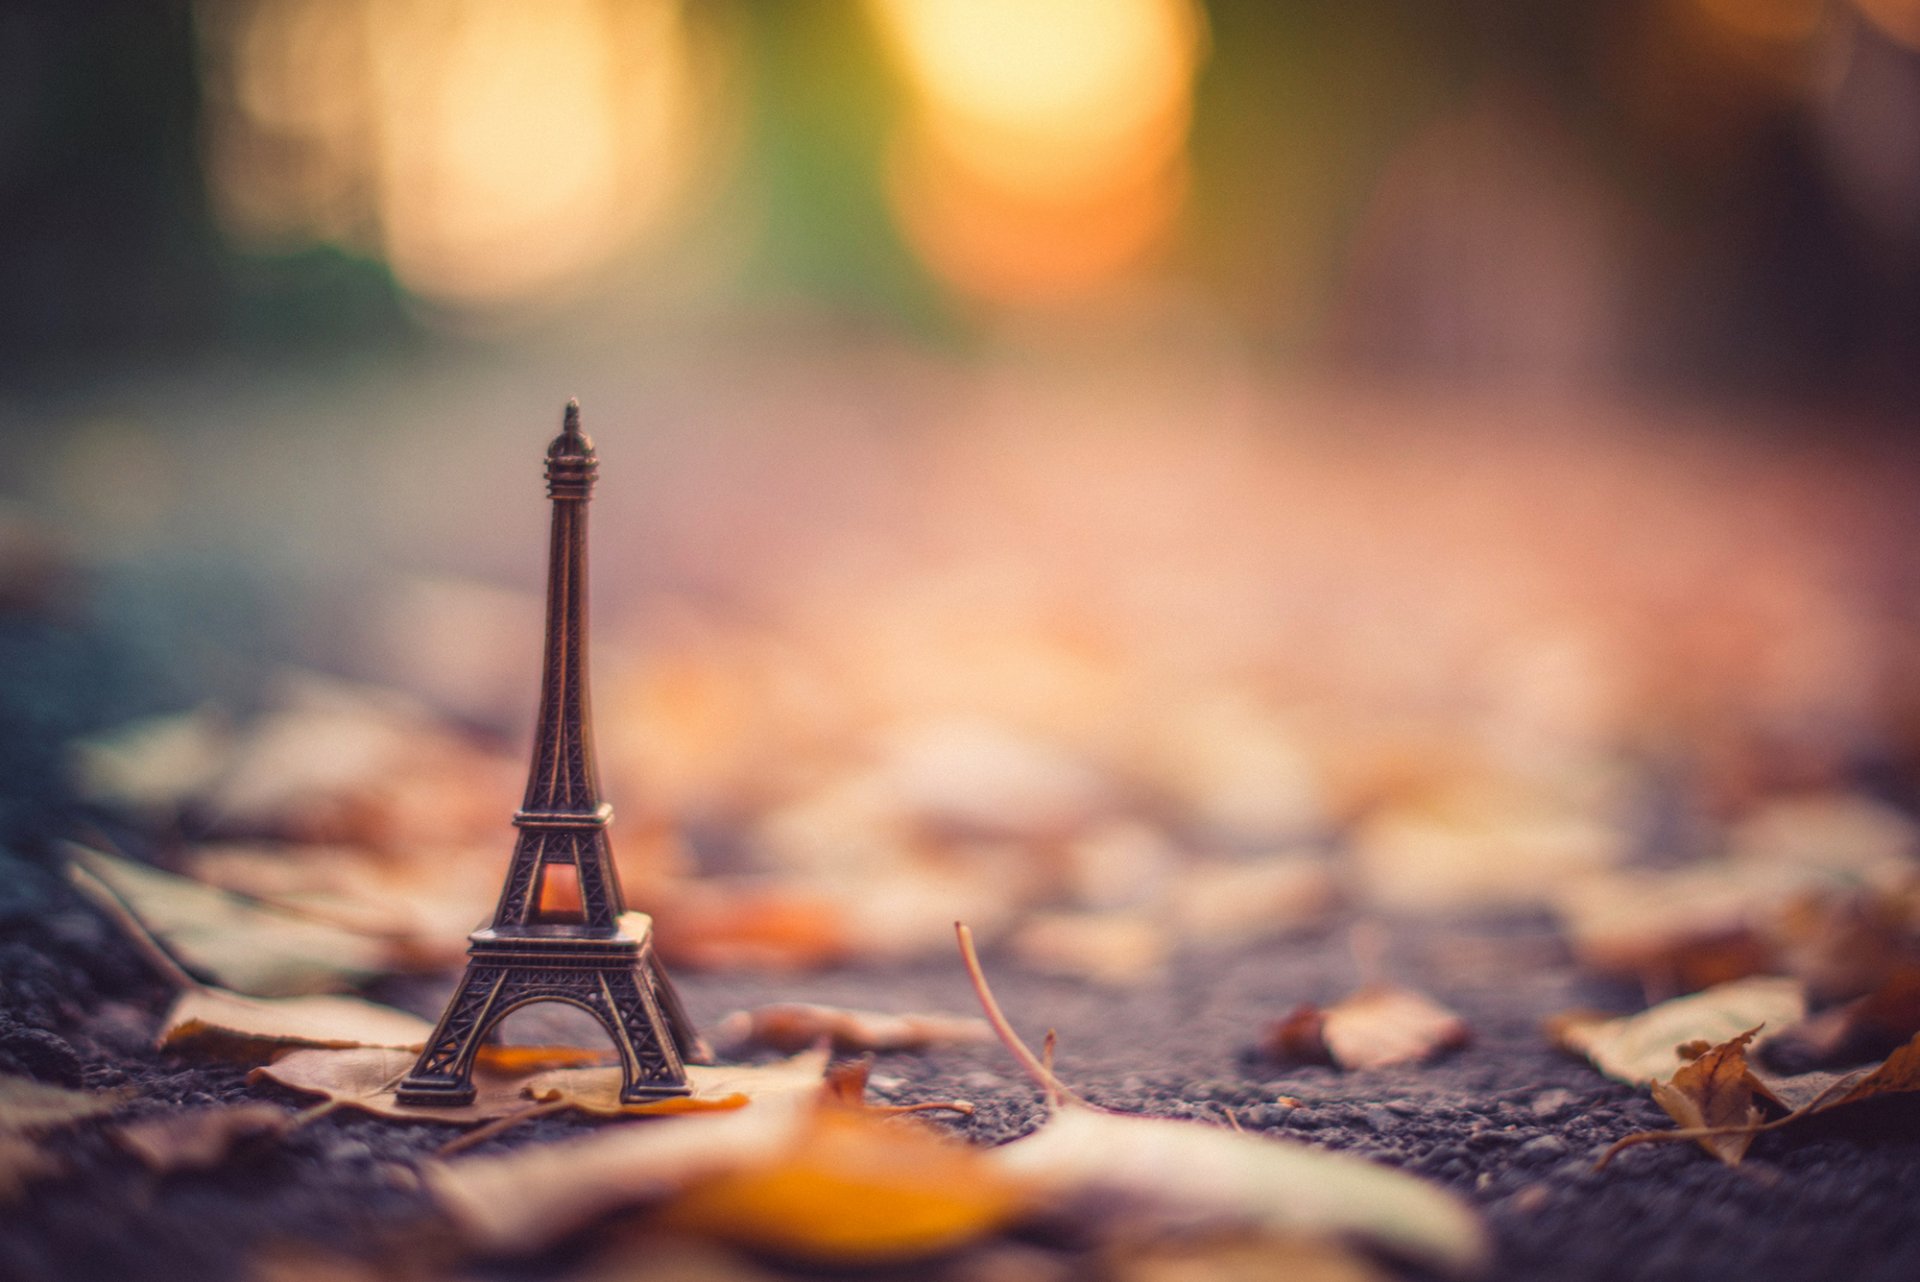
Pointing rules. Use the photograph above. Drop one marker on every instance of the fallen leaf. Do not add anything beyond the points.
(1808, 1095)
(1166, 1175)
(852, 1188)
(241, 944)
(1639, 1049)
(1377, 1026)
(1673, 931)
(794, 1026)
(212, 1023)
(201, 1138)
(512, 1080)
(1716, 1091)
(1864, 1028)
(29, 1109)
(813, 1174)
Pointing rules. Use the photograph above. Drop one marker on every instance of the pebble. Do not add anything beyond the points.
(1551, 1103)
(1544, 1146)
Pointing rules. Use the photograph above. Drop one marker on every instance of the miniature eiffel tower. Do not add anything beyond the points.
(558, 933)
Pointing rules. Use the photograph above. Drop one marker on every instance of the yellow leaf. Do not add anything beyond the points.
(1639, 1049)
(852, 1187)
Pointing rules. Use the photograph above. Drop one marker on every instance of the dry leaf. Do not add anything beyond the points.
(1154, 1174)
(243, 945)
(809, 1173)
(512, 1080)
(1714, 1091)
(1639, 1049)
(1377, 1026)
(201, 1138)
(1726, 1129)
(29, 1109)
(1861, 1029)
(852, 1187)
(794, 1026)
(211, 1023)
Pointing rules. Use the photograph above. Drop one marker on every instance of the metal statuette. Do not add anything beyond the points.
(561, 932)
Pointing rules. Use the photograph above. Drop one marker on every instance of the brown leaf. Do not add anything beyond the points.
(1862, 1029)
(1377, 1026)
(212, 1023)
(202, 1138)
(814, 1174)
(512, 1080)
(794, 1026)
(1715, 1091)
(1639, 1049)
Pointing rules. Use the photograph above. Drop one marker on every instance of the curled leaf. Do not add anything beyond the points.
(1377, 1026)
(1715, 1092)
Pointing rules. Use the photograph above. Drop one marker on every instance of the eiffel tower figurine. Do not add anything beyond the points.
(558, 933)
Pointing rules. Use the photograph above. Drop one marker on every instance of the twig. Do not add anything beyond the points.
(480, 1134)
(1057, 1093)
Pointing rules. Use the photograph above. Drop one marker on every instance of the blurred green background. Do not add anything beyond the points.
(1717, 195)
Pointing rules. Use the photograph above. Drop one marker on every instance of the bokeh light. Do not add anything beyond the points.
(490, 153)
(1044, 149)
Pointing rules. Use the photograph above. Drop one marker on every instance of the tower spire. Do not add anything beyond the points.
(561, 931)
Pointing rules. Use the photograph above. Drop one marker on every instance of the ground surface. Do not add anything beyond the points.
(1508, 1122)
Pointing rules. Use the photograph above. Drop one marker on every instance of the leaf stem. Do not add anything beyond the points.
(1058, 1096)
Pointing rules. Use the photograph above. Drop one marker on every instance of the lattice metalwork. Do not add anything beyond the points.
(566, 950)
